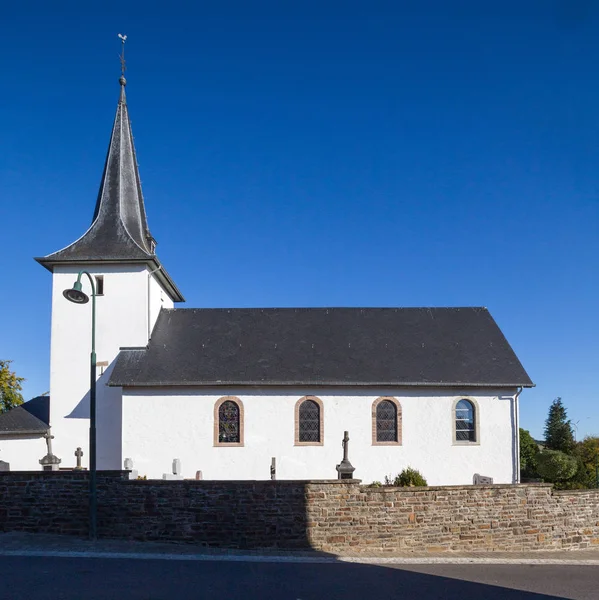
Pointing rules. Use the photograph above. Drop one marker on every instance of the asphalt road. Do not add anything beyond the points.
(52, 578)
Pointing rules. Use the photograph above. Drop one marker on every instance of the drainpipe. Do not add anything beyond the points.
(517, 436)
(148, 298)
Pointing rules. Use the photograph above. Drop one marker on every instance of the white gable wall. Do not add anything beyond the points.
(129, 307)
(159, 425)
(23, 452)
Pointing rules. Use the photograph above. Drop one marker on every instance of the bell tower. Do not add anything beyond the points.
(119, 253)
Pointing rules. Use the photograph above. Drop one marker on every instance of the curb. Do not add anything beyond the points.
(303, 559)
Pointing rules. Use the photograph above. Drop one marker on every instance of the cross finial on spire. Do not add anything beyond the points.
(123, 39)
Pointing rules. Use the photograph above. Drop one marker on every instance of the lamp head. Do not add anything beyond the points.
(75, 294)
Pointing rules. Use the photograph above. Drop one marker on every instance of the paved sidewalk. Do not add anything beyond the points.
(27, 544)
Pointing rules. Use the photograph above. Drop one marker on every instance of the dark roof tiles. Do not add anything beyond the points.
(319, 346)
(30, 418)
(119, 230)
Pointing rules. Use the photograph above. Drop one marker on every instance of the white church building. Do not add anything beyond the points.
(225, 390)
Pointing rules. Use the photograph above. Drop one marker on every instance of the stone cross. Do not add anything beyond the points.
(49, 437)
(345, 469)
(345, 444)
(79, 454)
(49, 462)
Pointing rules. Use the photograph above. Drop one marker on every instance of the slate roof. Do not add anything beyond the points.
(323, 346)
(119, 230)
(32, 417)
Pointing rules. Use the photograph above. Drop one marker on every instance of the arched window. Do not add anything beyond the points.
(308, 421)
(465, 421)
(228, 422)
(386, 422)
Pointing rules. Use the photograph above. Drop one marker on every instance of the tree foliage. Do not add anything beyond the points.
(555, 466)
(529, 451)
(558, 429)
(10, 387)
(587, 453)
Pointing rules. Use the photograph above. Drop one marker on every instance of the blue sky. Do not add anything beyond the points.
(322, 154)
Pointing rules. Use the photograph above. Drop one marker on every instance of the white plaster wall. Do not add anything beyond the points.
(158, 299)
(130, 295)
(23, 452)
(159, 425)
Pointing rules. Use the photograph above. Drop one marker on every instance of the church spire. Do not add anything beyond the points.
(119, 230)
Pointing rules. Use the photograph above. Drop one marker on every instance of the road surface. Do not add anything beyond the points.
(57, 578)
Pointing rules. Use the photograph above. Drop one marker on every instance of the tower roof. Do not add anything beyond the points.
(119, 230)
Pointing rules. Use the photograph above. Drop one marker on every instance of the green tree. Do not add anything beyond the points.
(558, 429)
(529, 451)
(587, 452)
(10, 387)
(555, 466)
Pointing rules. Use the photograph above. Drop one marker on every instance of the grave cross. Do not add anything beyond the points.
(49, 437)
(78, 454)
(345, 444)
(49, 462)
(345, 469)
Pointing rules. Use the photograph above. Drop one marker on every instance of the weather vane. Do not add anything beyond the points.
(123, 39)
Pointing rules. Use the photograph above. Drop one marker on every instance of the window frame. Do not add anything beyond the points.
(217, 406)
(476, 410)
(398, 423)
(318, 401)
(99, 285)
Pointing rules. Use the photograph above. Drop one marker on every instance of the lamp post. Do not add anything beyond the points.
(77, 296)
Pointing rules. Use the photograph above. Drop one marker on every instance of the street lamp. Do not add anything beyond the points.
(77, 296)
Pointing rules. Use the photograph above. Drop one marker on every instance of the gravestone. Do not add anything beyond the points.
(199, 475)
(133, 473)
(345, 470)
(481, 479)
(273, 468)
(176, 474)
(4, 466)
(78, 455)
(49, 462)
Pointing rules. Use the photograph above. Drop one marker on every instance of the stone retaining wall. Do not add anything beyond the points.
(330, 516)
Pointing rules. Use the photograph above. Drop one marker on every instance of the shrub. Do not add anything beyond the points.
(410, 478)
(555, 466)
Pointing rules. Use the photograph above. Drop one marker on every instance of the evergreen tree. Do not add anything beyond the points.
(558, 429)
(10, 387)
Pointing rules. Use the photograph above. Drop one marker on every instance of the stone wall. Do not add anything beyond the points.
(508, 518)
(330, 516)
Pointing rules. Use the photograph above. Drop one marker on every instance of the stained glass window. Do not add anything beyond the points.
(386, 421)
(465, 429)
(309, 421)
(228, 423)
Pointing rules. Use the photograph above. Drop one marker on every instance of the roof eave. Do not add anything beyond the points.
(39, 432)
(318, 383)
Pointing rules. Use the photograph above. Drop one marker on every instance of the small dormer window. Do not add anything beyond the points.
(151, 242)
(99, 285)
